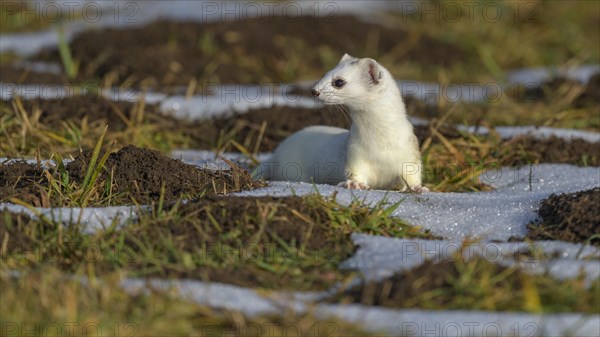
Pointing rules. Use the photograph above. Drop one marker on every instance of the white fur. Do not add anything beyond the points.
(380, 151)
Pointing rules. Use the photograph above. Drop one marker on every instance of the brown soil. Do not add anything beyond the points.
(283, 121)
(280, 122)
(12, 225)
(591, 94)
(138, 175)
(580, 96)
(547, 90)
(251, 232)
(530, 150)
(205, 134)
(400, 290)
(572, 217)
(267, 242)
(26, 182)
(173, 53)
(95, 109)
(10, 74)
(291, 222)
(473, 285)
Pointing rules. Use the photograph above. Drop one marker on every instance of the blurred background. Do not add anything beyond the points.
(175, 43)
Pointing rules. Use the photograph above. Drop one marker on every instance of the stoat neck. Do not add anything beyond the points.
(382, 119)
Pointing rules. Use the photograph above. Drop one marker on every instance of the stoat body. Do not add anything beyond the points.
(380, 150)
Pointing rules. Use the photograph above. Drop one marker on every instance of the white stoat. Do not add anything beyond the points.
(380, 150)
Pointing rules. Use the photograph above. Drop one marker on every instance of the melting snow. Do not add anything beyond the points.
(486, 216)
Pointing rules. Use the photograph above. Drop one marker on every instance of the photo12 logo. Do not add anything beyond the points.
(23, 12)
(522, 11)
(68, 329)
(325, 11)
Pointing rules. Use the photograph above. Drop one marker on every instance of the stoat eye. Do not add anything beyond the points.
(339, 83)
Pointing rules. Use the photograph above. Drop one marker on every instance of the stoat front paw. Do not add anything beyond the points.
(354, 185)
(420, 189)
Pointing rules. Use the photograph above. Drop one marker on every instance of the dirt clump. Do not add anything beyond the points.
(125, 120)
(572, 217)
(133, 174)
(145, 174)
(524, 150)
(23, 181)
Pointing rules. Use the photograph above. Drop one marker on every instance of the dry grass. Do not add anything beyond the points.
(560, 33)
(504, 35)
(477, 284)
(46, 301)
(293, 243)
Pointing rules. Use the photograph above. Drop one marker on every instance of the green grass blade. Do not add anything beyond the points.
(92, 163)
(65, 54)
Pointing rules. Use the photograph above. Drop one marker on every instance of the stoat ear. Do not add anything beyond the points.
(346, 57)
(373, 70)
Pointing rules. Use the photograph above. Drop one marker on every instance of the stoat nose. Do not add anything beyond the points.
(315, 92)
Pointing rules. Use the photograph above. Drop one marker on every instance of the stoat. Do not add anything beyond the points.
(380, 151)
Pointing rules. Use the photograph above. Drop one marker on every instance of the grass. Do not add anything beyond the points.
(17, 16)
(25, 129)
(451, 162)
(71, 66)
(80, 194)
(525, 34)
(558, 108)
(478, 284)
(292, 243)
(57, 187)
(208, 239)
(46, 301)
(506, 35)
(130, 176)
(161, 247)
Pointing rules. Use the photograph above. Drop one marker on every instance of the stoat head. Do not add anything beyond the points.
(352, 82)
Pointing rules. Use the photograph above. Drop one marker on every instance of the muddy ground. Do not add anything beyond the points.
(472, 285)
(19, 75)
(527, 150)
(241, 222)
(226, 253)
(581, 95)
(261, 130)
(206, 134)
(264, 50)
(131, 175)
(267, 242)
(572, 217)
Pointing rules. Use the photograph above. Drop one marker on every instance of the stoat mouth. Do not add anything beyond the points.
(327, 101)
